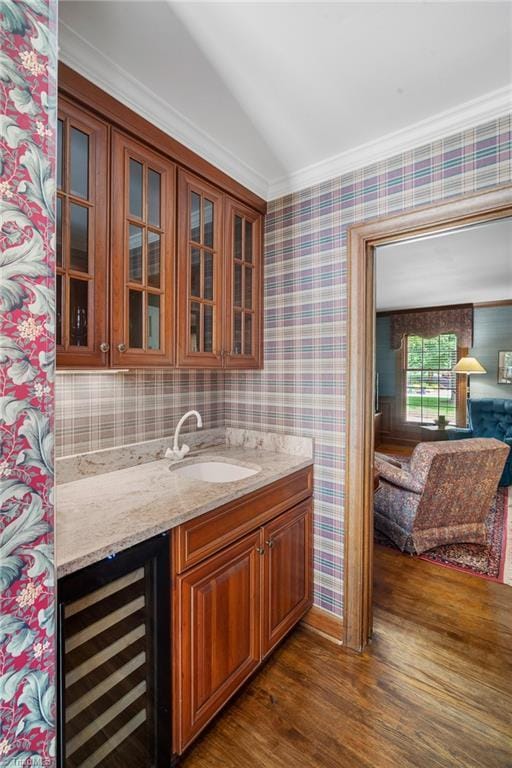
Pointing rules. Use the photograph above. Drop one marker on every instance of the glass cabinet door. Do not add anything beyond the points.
(200, 273)
(142, 255)
(81, 238)
(244, 283)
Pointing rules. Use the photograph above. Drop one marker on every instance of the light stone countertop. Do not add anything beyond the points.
(106, 513)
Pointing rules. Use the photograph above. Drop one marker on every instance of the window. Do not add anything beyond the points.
(430, 384)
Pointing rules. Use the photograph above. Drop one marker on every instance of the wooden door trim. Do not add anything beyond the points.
(363, 238)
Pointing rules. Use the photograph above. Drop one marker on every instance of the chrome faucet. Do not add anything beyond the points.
(176, 453)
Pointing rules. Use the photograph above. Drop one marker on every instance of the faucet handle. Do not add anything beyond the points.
(184, 450)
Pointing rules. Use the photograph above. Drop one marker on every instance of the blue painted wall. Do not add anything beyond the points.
(492, 333)
(385, 357)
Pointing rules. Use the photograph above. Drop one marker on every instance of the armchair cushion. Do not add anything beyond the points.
(443, 496)
(398, 475)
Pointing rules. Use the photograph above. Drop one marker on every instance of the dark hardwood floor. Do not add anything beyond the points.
(433, 690)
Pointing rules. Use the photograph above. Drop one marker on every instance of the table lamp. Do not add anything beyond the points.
(469, 365)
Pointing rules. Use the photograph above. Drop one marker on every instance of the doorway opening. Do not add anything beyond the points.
(363, 240)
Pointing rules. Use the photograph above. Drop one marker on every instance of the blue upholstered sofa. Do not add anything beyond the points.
(490, 418)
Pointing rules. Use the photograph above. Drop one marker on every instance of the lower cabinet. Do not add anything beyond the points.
(220, 616)
(287, 573)
(231, 610)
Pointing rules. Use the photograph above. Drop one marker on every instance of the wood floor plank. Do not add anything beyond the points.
(433, 689)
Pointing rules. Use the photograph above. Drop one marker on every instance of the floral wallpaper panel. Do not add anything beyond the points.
(27, 242)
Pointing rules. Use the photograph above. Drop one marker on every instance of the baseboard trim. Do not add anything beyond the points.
(324, 623)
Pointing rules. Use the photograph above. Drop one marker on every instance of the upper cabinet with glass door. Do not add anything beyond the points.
(81, 238)
(200, 273)
(143, 203)
(243, 305)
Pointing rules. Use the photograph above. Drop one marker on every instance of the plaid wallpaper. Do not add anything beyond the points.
(103, 410)
(302, 389)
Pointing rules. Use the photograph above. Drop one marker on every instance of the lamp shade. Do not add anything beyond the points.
(469, 365)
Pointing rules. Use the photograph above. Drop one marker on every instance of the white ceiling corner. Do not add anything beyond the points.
(464, 116)
(100, 69)
(249, 86)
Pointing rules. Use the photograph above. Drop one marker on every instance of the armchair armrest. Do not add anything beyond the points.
(397, 475)
(459, 433)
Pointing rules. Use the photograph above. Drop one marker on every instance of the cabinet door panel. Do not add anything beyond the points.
(200, 273)
(81, 238)
(287, 592)
(219, 632)
(244, 304)
(143, 204)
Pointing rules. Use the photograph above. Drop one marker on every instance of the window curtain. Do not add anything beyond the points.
(432, 322)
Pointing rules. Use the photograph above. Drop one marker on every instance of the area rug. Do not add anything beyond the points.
(491, 561)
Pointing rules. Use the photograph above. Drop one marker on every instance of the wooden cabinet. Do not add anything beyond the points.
(219, 279)
(240, 584)
(81, 238)
(156, 265)
(243, 268)
(143, 184)
(200, 273)
(220, 618)
(287, 573)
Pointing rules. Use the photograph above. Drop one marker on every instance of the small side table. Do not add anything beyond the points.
(432, 432)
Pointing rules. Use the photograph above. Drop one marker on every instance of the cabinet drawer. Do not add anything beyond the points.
(199, 538)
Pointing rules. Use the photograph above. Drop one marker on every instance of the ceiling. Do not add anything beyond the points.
(283, 95)
(466, 266)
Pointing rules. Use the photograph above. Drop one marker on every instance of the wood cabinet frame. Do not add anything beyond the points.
(254, 360)
(123, 149)
(119, 119)
(197, 704)
(188, 183)
(286, 530)
(97, 205)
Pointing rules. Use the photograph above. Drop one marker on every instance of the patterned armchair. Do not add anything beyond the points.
(489, 417)
(441, 496)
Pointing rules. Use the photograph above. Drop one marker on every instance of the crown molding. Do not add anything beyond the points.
(467, 115)
(97, 67)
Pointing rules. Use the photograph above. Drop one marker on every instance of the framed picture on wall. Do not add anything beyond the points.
(504, 367)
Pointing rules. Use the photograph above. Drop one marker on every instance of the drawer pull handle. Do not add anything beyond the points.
(122, 347)
(260, 550)
(269, 543)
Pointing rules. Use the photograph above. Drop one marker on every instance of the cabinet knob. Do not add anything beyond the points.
(260, 550)
(104, 347)
(121, 347)
(269, 543)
